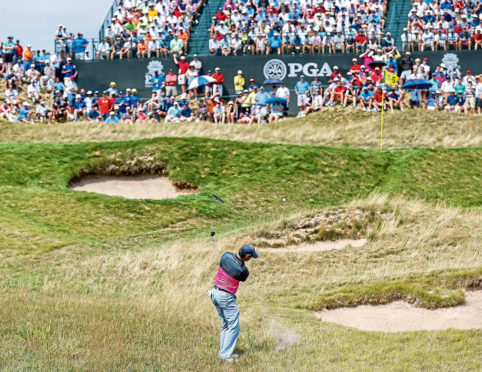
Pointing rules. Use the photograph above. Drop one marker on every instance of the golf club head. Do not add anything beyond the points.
(213, 233)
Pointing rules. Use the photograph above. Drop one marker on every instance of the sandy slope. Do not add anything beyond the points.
(138, 187)
(318, 246)
(400, 316)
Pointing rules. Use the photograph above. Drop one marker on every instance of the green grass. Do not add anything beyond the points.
(252, 178)
(92, 282)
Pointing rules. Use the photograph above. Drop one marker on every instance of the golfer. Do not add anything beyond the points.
(232, 269)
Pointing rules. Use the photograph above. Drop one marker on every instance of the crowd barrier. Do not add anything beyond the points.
(135, 73)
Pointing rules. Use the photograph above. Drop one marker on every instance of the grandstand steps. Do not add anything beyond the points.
(397, 18)
(199, 40)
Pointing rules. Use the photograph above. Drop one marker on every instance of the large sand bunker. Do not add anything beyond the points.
(131, 187)
(400, 317)
(319, 246)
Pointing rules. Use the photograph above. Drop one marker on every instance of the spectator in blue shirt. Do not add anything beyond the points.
(262, 97)
(58, 85)
(301, 88)
(274, 42)
(186, 114)
(134, 98)
(112, 119)
(296, 43)
(79, 44)
(122, 102)
(452, 101)
(79, 107)
(157, 82)
(165, 106)
(25, 114)
(95, 98)
(69, 41)
(69, 69)
(94, 114)
(36, 58)
(366, 99)
(173, 113)
(460, 103)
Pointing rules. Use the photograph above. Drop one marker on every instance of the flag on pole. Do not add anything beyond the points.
(391, 79)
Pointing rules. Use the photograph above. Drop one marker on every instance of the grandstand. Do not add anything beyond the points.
(302, 27)
(305, 47)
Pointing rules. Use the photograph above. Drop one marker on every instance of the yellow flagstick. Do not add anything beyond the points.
(383, 101)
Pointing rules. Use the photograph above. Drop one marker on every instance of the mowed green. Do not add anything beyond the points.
(92, 282)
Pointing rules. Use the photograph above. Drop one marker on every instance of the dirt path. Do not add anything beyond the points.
(400, 316)
(136, 187)
(318, 246)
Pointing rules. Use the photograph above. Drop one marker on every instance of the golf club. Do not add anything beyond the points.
(215, 197)
(214, 242)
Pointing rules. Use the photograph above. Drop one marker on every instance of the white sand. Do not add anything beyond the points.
(318, 246)
(400, 317)
(132, 187)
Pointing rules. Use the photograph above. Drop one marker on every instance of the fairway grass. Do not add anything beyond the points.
(92, 282)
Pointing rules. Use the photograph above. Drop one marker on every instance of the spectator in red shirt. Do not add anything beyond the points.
(181, 75)
(18, 52)
(105, 105)
(377, 75)
(360, 42)
(218, 85)
(171, 79)
(459, 5)
(355, 65)
(335, 74)
(478, 40)
(338, 94)
(220, 15)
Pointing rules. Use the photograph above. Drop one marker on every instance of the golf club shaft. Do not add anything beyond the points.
(215, 245)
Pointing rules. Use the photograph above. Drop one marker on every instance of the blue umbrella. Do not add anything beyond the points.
(272, 81)
(200, 81)
(417, 84)
(273, 100)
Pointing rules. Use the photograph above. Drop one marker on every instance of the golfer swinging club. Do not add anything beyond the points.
(232, 269)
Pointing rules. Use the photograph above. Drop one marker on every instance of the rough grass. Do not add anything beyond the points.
(145, 308)
(402, 130)
(91, 282)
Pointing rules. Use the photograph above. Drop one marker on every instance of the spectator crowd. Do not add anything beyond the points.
(363, 85)
(443, 25)
(49, 82)
(297, 26)
(147, 28)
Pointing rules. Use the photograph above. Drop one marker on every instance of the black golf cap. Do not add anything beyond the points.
(248, 250)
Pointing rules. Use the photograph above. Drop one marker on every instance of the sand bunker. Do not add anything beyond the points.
(318, 246)
(132, 187)
(400, 316)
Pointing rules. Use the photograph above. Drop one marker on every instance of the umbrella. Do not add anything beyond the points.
(374, 64)
(201, 81)
(417, 84)
(272, 81)
(273, 100)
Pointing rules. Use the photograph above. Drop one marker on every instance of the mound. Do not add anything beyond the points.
(335, 228)
(401, 317)
(318, 246)
(133, 187)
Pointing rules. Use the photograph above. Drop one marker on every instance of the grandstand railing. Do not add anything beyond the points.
(91, 47)
(108, 18)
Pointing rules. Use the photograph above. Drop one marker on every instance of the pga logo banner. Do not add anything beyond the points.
(152, 67)
(277, 69)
